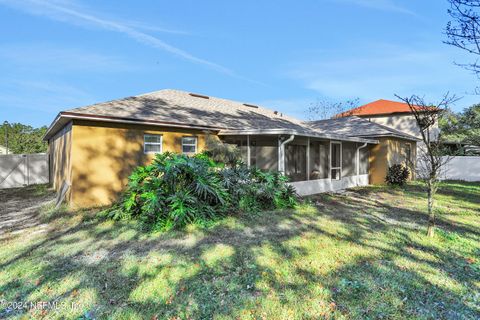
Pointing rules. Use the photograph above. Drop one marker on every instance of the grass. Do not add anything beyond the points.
(358, 255)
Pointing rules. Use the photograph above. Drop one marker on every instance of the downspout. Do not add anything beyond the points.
(358, 160)
(281, 153)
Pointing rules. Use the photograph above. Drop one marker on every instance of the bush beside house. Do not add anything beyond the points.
(397, 174)
(176, 190)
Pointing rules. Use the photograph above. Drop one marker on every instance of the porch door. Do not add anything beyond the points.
(336, 160)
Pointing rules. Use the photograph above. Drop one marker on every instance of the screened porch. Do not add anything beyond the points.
(312, 164)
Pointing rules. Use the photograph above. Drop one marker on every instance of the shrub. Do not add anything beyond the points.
(397, 175)
(222, 152)
(176, 190)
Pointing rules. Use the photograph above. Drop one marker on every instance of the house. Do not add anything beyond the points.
(393, 114)
(93, 149)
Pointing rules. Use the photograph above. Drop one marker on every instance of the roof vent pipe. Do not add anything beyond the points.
(199, 96)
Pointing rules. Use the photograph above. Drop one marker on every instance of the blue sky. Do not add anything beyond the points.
(60, 54)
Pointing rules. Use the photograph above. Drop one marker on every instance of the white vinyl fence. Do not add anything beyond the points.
(19, 170)
(465, 168)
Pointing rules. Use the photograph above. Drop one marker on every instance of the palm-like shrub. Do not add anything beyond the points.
(176, 190)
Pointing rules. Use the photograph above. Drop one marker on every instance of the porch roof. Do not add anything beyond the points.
(358, 127)
(301, 133)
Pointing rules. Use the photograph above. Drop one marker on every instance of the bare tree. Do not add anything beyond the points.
(431, 157)
(325, 109)
(464, 30)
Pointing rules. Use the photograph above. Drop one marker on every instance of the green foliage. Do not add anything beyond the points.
(397, 175)
(23, 139)
(177, 190)
(222, 152)
(463, 127)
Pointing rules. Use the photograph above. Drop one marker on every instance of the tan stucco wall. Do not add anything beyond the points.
(397, 154)
(104, 155)
(389, 151)
(59, 149)
(379, 161)
(402, 122)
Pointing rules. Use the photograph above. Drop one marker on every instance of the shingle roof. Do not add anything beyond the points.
(180, 108)
(379, 107)
(356, 127)
(174, 106)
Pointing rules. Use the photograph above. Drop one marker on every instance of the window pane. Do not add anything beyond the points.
(188, 149)
(189, 140)
(153, 138)
(153, 148)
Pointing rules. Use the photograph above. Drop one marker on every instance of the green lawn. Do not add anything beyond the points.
(359, 255)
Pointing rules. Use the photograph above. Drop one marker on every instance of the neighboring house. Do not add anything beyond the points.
(394, 146)
(393, 114)
(94, 149)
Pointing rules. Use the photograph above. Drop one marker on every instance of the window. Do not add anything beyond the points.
(152, 143)
(189, 144)
(408, 154)
(336, 160)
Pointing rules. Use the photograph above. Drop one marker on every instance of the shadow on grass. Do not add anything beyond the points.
(252, 266)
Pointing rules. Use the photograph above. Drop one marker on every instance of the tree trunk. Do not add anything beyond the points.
(431, 214)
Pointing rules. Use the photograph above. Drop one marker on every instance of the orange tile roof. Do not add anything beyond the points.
(378, 107)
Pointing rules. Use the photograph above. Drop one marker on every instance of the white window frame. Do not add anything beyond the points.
(196, 144)
(341, 160)
(145, 143)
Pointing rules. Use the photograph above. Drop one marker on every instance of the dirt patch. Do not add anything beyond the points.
(20, 209)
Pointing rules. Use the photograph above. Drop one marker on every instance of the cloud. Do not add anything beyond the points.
(41, 95)
(70, 13)
(143, 26)
(383, 5)
(380, 71)
(54, 59)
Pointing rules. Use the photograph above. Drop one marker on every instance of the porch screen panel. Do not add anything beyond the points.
(364, 160)
(296, 162)
(324, 159)
(336, 161)
(349, 150)
(241, 143)
(315, 170)
(319, 165)
(267, 153)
